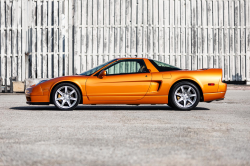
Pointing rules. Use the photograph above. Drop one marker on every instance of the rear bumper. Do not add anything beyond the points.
(222, 87)
(220, 95)
(214, 96)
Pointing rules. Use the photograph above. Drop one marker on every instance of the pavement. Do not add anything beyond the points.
(238, 87)
(216, 133)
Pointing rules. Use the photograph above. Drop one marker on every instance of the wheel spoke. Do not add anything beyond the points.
(60, 92)
(180, 100)
(182, 89)
(185, 102)
(69, 103)
(72, 92)
(63, 103)
(192, 95)
(73, 98)
(189, 89)
(190, 101)
(60, 98)
(177, 94)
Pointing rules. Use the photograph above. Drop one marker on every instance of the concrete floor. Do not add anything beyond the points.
(216, 133)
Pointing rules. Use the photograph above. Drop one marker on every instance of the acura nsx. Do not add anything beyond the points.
(131, 81)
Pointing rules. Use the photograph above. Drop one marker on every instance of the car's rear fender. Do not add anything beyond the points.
(211, 80)
(195, 82)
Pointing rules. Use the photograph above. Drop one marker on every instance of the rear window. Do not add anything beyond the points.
(160, 66)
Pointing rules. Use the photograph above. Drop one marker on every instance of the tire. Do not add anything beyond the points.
(66, 96)
(170, 104)
(184, 96)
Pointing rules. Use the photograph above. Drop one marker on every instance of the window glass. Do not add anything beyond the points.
(91, 71)
(127, 67)
(163, 66)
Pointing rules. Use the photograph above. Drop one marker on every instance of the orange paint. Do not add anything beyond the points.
(151, 87)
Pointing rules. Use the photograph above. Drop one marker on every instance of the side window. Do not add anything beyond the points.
(127, 67)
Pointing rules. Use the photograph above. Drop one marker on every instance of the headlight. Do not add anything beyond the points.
(28, 90)
(41, 82)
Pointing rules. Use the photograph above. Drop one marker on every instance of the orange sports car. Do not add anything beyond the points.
(131, 81)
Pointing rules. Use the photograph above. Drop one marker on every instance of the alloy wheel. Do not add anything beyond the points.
(185, 96)
(66, 97)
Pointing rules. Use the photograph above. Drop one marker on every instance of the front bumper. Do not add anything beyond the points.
(35, 96)
(37, 103)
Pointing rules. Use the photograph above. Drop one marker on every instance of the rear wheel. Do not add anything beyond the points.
(66, 96)
(184, 96)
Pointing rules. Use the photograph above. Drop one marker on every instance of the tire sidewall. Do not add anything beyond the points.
(70, 85)
(172, 100)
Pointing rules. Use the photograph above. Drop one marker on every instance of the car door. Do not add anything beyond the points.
(125, 80)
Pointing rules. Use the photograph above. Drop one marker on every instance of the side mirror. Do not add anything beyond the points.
(102, 74)
(145, 70)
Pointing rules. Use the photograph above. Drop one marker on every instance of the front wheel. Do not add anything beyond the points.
(66, 96)
(184, 96)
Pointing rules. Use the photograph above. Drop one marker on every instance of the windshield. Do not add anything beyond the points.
(163, 66)
(92, 71)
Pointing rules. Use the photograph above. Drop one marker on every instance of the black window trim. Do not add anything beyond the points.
(121, 74)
